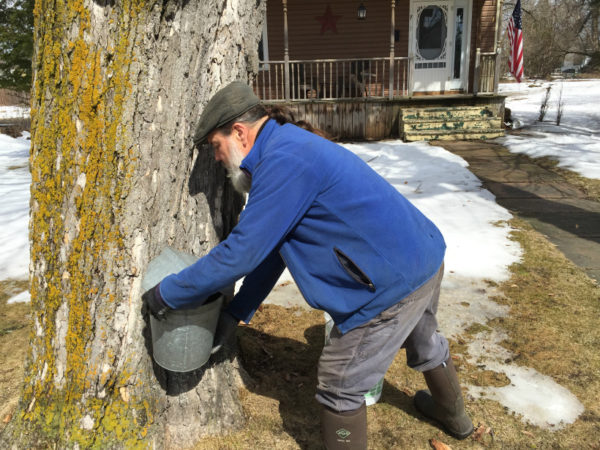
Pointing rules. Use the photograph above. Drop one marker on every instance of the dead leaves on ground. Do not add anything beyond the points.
(483, 434)
(438, 445)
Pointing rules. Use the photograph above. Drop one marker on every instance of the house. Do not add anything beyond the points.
(374, 69)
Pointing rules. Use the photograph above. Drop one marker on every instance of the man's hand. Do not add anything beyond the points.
(155, 304)
(226, 329)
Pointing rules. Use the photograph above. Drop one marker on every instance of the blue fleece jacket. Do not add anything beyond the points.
(354, 245)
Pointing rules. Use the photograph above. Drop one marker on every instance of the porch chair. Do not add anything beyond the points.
(303, 86)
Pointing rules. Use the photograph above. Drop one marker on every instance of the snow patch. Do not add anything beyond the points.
(15, 180)
(465, 301)
(575, 143)
(14, 112)
(536, 397)
(441, 186)
(23, 297)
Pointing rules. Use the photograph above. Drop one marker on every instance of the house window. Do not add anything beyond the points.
(432, 32)
(263, 47)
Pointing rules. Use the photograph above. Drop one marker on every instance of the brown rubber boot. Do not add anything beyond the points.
(443, 402)
(344, 430)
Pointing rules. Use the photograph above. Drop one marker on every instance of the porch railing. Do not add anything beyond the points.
(486, 73)
(328, 79)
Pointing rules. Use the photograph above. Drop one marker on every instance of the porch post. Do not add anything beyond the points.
(286, 53)
(497, 25)
(496, 70)
(496, 47)
(477, 70)
(392, 45)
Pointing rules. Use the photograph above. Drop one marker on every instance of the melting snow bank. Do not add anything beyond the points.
(536, 397)
(579, 152)
(440, 185)
(14, 206)
(14, 112)
(23, 297)
(575, 143)
(465, 301)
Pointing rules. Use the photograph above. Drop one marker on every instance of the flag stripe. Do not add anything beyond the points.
(515, 38)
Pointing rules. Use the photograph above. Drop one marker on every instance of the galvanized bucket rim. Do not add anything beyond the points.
(196, 309)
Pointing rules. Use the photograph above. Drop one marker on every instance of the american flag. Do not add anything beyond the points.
(515, 36)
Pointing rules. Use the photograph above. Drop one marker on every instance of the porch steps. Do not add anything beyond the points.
(451, 123)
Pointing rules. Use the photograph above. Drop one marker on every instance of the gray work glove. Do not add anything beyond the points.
(226, 329)
(154, 304)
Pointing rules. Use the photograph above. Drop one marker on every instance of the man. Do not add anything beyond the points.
(355, 247)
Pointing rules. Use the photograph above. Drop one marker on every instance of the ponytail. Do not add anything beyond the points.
(279, 113)
(283, 115)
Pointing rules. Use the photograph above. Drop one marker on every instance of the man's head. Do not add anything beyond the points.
(230, 123)
(230, 152)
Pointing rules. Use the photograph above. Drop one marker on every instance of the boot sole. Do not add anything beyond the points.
(456, 435)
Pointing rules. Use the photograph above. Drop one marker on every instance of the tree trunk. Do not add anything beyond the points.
(118, 88)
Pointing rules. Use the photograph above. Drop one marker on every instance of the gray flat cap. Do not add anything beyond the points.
(228, 103)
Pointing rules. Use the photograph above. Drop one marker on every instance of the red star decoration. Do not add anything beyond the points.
(328, 21)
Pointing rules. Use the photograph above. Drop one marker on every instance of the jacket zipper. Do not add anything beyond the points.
(353, 269)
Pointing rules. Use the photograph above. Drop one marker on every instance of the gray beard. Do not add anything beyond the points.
(239, 179)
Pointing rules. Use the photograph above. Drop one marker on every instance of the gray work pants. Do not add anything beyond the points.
(351, 364)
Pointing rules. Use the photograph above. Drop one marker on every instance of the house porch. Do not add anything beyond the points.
(416, 118)
(357, 78)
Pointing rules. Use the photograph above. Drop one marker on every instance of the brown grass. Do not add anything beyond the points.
(15, 127)
(590, 186)
(552, 327)
(14, 338)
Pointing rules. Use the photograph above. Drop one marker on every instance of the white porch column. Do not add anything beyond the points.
(497, 49)
(286, 53)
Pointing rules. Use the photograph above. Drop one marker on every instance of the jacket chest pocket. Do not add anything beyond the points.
(353, 270)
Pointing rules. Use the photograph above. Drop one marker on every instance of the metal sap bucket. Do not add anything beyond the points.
(183, 341)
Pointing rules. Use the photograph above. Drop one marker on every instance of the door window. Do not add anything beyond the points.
(431, 33)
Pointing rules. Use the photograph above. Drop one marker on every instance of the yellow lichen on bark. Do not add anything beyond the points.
(80, 164)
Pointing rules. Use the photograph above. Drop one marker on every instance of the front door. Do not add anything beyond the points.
(439, 31)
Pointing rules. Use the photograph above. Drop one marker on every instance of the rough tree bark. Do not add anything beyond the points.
(118, 87)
